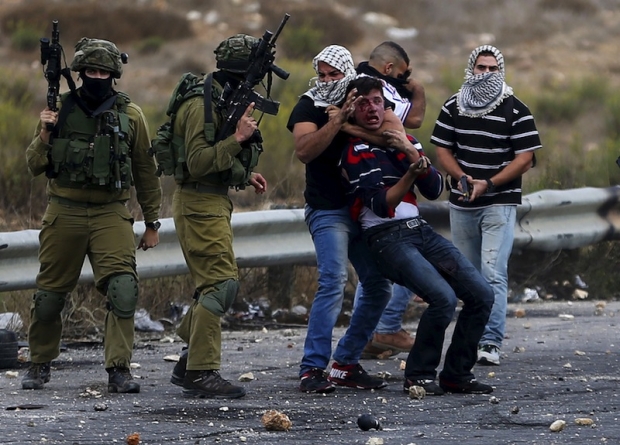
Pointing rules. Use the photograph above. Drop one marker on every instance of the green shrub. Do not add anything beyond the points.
(25, 38)
(150, 45)
(99, 20)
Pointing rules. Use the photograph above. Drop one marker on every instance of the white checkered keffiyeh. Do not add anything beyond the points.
(332, 93)
(482, 93)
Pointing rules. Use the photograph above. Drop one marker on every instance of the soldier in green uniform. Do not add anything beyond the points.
(96, 151)
(202, 216)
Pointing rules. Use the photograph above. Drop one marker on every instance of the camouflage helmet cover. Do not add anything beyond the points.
(233, 54)
(97, 54)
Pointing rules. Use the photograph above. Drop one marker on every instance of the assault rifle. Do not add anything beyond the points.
(234, 103)
(50, 56)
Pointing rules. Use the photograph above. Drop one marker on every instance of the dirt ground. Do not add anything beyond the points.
(560, 362)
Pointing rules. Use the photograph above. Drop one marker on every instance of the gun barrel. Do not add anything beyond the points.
(282, 23)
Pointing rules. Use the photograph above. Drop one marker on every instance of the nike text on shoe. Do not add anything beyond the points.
(467, 387)
(431, 388)
(488, 355)
(315, 381)
(354, 376)
(37, 375)
(209, 384)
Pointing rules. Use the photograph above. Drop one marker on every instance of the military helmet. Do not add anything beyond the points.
(98, 54)
(233, 54)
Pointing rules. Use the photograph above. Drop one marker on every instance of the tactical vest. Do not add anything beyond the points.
(92, 152)
(169, 148)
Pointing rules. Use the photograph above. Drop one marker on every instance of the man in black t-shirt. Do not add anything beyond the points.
(319, 144)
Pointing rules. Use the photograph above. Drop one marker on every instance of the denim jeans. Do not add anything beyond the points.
(430, 266)
(391, 320)
(336, 237)
(485, 236)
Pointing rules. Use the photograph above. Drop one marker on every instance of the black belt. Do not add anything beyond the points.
(80, 204)
(375, 233)
(203, 188)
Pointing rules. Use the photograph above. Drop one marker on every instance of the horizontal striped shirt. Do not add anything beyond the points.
(483, 146)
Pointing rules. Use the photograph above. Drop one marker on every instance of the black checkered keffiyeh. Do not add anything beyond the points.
(332, 93)
(482, 93)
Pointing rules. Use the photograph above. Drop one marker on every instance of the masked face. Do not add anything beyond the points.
(97, 88)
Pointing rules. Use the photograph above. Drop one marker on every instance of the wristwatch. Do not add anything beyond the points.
(490, 186)
(155, 225)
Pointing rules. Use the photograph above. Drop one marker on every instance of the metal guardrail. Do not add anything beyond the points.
(547, 220)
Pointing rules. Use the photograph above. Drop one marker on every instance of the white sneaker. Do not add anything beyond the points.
(488, 355)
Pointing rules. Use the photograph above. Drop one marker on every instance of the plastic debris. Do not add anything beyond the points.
(144, 323)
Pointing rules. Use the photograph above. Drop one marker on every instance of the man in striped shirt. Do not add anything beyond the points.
(487, 136)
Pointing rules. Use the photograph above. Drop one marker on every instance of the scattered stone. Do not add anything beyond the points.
(557, 426)
(567, 366)
(518, 349)
(11, 374)
(91, 393)
(491, 374)
(402, 366)
(584, 421)
(133, 439)
(515, 410)
(384, 374)
(247, 377)
(100, 406)
(580, 353)
(493, 400)
(417, 392)
(276, 421)
(375, 441)
(172, 358)
(22, 354)
(566, 316)
(223, 408)
(366, 422)
(519, 313)
(135, 365)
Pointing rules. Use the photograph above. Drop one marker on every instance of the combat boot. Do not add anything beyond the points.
(37, 375)
(178, 373)
(121, 380)
(209, 384)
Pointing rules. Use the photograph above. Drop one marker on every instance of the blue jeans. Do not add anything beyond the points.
(485, 236)
(430, 266)
(336, 237)
(392, 318)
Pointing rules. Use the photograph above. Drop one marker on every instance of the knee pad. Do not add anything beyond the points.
(123, 295)
(48, 305)
(221, 299)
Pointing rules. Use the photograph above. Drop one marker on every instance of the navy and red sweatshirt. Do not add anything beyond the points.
(370, 170)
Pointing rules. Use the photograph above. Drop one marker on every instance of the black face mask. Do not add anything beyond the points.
(97, 90)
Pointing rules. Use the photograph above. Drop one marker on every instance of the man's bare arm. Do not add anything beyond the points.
(415, 117)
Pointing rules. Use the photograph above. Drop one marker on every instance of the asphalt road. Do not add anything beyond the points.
(554, 367)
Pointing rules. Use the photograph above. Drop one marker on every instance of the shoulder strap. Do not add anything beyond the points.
(68, 103)
(209, 127)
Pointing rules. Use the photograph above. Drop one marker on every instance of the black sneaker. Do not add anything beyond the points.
(431, 388)
(472, 386)
(178, 373)
(209, 384)
(37, 375)
(120, 380)
(315, 381)
(354, 376)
